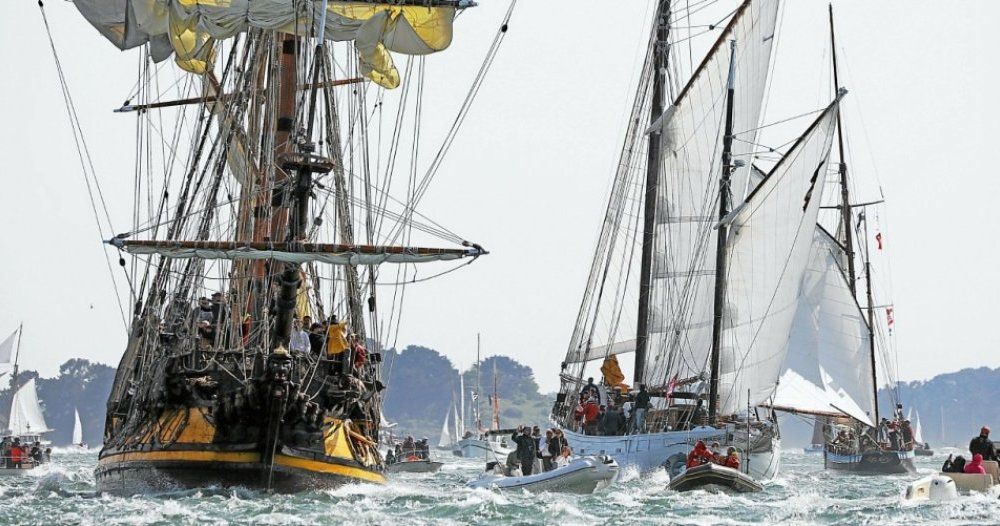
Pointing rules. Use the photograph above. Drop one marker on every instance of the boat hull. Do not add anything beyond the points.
(583, 475)
(414, 466)
(714, 475)
(171, 470)
(484, 449)
(669, 450)
(872, 462)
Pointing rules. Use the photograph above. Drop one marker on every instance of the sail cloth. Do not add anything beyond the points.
(692, 129)
(827, 368)
(770, 240)
(446, 438)
(77, 428)
(26, 413)
(7, 349)
(188, 29)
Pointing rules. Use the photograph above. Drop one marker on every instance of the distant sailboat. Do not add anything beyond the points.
(490, 444)
(78, 430)
(26, 424)
(447, 441)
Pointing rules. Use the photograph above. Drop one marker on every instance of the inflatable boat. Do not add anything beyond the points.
(582, 475)
(706, 475)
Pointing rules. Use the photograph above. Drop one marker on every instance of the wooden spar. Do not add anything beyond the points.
(296, 248)
(721, 241)
(845, 210)
(228, 96)
(871, 322)
(660, 50)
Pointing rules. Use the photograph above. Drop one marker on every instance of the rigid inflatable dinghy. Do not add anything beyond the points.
(582, 475)
(700, 477)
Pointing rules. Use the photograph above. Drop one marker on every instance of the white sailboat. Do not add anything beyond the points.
(722, 256)
(26, 424)
(78, 430)
(492, 443)
(446, 440)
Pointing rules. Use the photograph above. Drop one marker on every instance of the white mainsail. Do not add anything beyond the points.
(827, 370)
(461, 398)
(26, 413)
(77, 428)
(918, 435)
(682, 296)
(7, 349)
(446, 439)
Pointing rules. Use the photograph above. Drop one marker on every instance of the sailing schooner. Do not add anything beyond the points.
(831, 368)
(710, 257)
(254, 349)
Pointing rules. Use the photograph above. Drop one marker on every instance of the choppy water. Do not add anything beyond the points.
(63, 493)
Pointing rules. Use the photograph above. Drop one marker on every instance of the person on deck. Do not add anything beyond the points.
(717, 455)
(336, 338)
(545, 450)
(982, 445)
(699, 455)
(907, 432)
(390, 458)
(954, 464)
(202, 312)
(700, 417)
(732, 459)
(563, 459)
(590, 416)
(976, 465)
(316, 338)
(299, 340)
(358, 351)
(590, 389)
(526, 449)
(206, 334)
(612, 422)
(16, 454)
(639, 410)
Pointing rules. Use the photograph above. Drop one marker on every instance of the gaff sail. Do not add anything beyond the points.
(827, 370)
(26, 413)
(188, 29)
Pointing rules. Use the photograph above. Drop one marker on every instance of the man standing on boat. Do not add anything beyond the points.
(525, 448)
(639, 410)
(982, 445)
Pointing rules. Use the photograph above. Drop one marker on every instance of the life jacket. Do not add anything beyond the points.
(16, 454)
(732, 461)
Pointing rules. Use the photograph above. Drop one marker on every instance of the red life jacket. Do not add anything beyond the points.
(16, 454)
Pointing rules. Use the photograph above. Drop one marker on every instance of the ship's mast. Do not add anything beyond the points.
(845, 203)
(848, 228)
(479, 388)
(17, 357)
(721, 239)
(660, 53)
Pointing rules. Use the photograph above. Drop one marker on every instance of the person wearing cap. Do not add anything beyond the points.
(982, 445)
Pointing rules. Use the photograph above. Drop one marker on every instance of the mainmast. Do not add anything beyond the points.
(660, 53)
(845, 203)
(721, 239)
(871, 320)
(479, 388)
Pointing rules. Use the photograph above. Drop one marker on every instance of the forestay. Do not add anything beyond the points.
(681, 300)
(827, 368)
(189, 28)
(26, 413)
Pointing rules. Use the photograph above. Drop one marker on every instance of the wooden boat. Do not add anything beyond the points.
(252, 198)
(414, 466)
(581, 475)
(714, 476)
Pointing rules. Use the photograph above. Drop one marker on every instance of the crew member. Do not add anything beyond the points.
(526, 449)
(982, 445)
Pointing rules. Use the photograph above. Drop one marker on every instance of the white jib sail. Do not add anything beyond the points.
(918, 435)
(827, 368)
(445, 439)
(682, 295)
(769, 244)
(77, 428)
(7, 349)
(26, 413)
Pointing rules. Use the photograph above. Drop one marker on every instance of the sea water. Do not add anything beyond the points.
(63, 492)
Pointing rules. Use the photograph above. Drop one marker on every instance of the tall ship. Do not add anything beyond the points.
(701, 253)
(274, 229)
(840, 345)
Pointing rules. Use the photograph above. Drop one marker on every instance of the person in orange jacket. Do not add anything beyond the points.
(732, 459)
(699, 455)
(16, 453)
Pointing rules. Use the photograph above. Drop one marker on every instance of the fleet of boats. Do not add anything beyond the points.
(738, 285)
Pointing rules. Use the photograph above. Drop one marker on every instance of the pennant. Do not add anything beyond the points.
(889, 318)
(878, 239)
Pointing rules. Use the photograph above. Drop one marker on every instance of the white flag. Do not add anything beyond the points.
(7, 349)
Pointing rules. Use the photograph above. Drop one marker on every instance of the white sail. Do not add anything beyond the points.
(456, 423)
(682, 296)
(446, 439)
(827, 369)
(918, 435)
(461, 398)
(770, 239)
(77, 428)
(26, 413)
(7, 349)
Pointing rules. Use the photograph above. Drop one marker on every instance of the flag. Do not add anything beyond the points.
(475, 395)
(878, 239)
(671, 385)
(889, 317)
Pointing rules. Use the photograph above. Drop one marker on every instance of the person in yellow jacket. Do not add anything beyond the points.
(336, 338)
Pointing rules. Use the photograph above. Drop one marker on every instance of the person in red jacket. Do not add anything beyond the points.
(976, 465)
(591, 411)
(699, 455)
(732, 459)
(17, 454)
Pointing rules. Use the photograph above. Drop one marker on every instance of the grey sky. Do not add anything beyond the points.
(529, 173)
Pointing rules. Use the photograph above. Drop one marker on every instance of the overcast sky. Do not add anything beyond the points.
(528, 176)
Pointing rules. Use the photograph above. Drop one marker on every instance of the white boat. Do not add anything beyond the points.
(932, 488)
(490, 446)
(78, 430)
(710, 476)
(581, 475)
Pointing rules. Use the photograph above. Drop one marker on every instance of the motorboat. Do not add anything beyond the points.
(414, 466)
(581, 475)
(932, 488)
(714, 475)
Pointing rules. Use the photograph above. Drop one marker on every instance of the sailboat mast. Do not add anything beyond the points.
(845, 202)
(17, 357)
(871, 320)
(479, 388)
(721, 238)
(660, 52)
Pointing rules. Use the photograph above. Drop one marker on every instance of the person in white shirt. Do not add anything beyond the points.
(563, 458)
(299, 340)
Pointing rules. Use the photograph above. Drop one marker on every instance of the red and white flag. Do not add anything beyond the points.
(878, 239)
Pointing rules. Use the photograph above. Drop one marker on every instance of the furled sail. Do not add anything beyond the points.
(691, 144)
(188, 29)
(77, 428)
(770, 240)
(827, 370)
(26, 413)
(334, 254)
